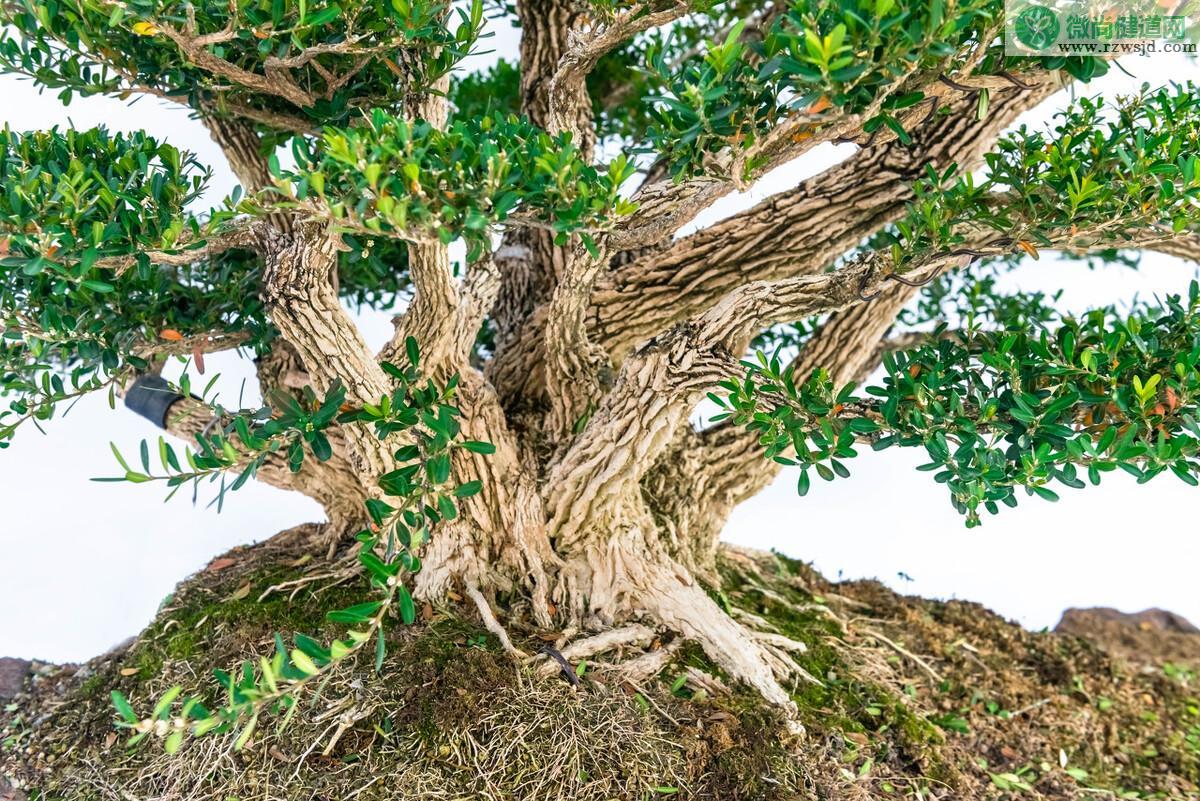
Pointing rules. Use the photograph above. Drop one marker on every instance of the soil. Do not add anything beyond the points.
(907, 698)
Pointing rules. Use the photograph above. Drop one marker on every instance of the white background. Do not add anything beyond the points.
(84, 565)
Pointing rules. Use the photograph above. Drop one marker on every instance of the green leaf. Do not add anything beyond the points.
(359, 613)
(468, 489)
(124, 708)
(304, 662)
(404, 604)
(380, 649)
(163, 708)
(413, 351)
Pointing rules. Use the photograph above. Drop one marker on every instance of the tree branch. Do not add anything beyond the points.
(796, 232)
(587, 47)
(237, 235)
(303, 304)
(847, 344)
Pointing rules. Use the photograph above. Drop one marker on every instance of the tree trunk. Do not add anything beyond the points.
(601, 504)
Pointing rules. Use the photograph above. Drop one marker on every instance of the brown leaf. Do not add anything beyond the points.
(427, 612)
(220, 564)
(241, 592)
(820, 105)
(171, 335)
(453, 596)
(130, 671)
(198, 358)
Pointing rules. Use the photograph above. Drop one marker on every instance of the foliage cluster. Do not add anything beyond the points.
(390, 176)
(1092, 180)
(1003, 409)
(319, 61)
(820, 59)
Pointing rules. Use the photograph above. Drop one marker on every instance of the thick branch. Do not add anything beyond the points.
(1181, 247)
(568, 89)
(733, 468)
(243, 150)
(665, 205)
(304, 306)
(795, 232)
(430, 315)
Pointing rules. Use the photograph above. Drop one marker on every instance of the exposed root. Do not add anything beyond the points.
(700, 681)
(687, 609)
(635, 635)
(349, 570)
(752, 620)
(641, 668)
(491, 623)
(779, 641)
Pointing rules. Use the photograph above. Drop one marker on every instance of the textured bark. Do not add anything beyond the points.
(532, 266)
(797, 232)
(304, 307)
(243, 151)
(800, 231)
(845, 345)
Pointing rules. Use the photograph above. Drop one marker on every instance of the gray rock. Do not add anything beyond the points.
(12, 676)
(8, 792)
(1146, 620)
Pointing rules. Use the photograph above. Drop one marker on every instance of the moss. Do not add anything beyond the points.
(94, 684)
(871, 717)
(453, 715)
(229, 609)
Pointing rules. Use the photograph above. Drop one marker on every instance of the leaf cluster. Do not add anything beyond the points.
(1096, 178)
(392, 177)
(1002, 410)
(70, 198)
(819, 60)
(342, 55)
(420, 495)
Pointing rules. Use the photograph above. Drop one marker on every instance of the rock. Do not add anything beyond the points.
(1149, 636)
(12, 678)
(10, 793)
(1146, 620)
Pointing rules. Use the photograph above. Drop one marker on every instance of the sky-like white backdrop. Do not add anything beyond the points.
(84, 565)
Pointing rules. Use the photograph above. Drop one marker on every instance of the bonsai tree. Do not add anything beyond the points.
(526, 440)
